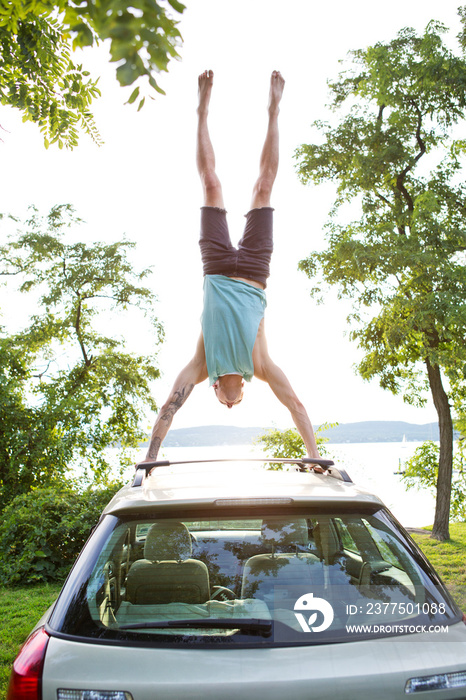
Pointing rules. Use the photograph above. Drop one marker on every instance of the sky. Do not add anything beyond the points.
(143, 184)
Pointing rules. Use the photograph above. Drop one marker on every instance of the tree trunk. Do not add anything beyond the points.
(440, 529)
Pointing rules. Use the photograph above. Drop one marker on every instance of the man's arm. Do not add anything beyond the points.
(283, 390)
(194, 373)
(269, 372)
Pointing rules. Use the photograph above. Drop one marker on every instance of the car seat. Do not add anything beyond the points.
(287, 567)
(167, 574)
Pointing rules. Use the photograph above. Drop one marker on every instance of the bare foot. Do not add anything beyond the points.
(277, 85)
(206, 80)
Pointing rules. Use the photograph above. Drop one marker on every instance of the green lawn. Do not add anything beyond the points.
(448, 559)
(21, 608)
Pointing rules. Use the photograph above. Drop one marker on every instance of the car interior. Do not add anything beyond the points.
(168, 569)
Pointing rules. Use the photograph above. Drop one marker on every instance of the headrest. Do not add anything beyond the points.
(326, 540)
(166, 541)
(284, 533)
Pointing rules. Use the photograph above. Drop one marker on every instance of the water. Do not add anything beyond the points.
(373, 466)
(370, 465)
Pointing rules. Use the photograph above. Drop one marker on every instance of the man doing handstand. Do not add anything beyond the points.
(232, 345)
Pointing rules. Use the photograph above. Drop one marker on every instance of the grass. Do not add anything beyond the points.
(21, 608)
(448, 559)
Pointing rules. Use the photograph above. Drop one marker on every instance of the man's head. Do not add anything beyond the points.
(229, 389)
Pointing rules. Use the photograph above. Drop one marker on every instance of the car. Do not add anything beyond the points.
(235, 579)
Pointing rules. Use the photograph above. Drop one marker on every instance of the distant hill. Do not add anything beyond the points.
(382, 431)
(366, 431)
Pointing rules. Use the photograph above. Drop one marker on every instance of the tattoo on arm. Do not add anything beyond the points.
(165, 418)
(154, 448)
(180, 397)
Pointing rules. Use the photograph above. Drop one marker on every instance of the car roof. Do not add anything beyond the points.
(225, 483)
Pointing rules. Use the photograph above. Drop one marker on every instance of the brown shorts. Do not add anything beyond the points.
(251, 259)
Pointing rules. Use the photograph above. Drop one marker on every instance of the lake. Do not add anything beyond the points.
(370, 465)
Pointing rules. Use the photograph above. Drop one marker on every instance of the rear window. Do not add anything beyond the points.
(296, 577)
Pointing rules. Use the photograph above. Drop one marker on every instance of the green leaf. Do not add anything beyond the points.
(127, 74)
(84, 35)
(133, 96)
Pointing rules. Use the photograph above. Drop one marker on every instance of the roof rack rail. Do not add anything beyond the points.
(304, 464)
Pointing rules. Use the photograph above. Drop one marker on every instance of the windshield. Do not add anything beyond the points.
(301, 577)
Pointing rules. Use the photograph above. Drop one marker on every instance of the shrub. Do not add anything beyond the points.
(288, 444)
(43, 531)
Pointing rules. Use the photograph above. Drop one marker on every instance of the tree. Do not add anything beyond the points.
(421, 472)
(288, 444)
(67, 390)
(396, 161)
(38, 77)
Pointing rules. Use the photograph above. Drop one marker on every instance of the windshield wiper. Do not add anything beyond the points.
(253, 625)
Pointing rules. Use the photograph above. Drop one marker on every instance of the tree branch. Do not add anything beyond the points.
(422, 149)
(41, 374)
(77, 326)
(384, 199)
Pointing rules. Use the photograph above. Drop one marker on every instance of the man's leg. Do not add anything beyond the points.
(269, 156)
(205, 156)
(218, 254)
(256, 246)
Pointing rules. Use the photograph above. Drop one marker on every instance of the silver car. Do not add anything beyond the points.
(230, 581)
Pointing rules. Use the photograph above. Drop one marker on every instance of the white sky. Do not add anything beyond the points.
(143, 183)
